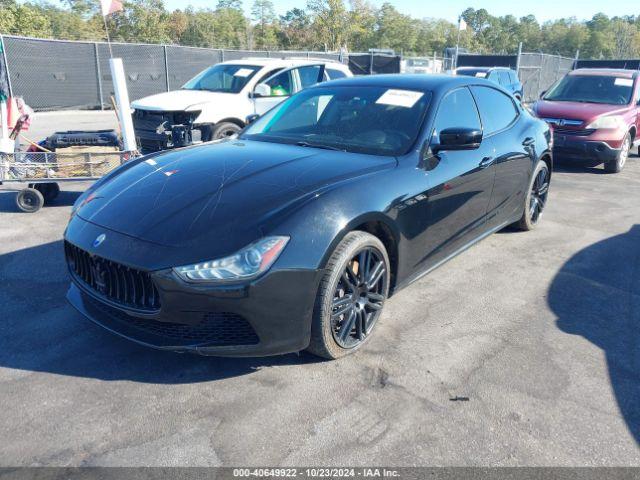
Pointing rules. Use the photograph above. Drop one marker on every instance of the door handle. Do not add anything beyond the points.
(528, 142)
(487, 162)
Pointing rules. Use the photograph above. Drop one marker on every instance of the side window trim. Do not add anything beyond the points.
(515, 109)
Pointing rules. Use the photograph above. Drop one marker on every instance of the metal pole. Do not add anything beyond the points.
(518, 59)
(6, 64)
(99, 75)
(166, 66)
(575, 62)
(371, 63)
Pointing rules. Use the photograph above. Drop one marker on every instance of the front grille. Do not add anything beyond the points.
(584, 132)
(118, 283)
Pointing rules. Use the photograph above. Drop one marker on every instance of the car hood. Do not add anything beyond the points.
(575, 110)
(180, 100)
(222, 193)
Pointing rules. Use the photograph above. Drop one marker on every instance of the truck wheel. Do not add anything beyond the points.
(29, 200)
(617, 164)
(225, 130)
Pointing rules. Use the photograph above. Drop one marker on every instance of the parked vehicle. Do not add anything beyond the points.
(595, 116)
(216, 102)
(504, 77)
(293, 235)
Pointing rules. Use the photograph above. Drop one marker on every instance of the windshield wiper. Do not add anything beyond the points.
(317, 145)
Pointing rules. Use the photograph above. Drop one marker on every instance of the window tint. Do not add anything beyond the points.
(504, 79)
(513, 76)
(497, 110)
(281, 85)
(335, 74)
(457, 110)
(309, 75)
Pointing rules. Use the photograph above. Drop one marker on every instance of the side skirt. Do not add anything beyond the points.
(418, 276)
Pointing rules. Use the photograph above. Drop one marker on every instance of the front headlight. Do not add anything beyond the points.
(612, 121)
(248, 263)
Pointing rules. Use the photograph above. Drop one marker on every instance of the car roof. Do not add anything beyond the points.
(483, 69)
(605, 72)
(281, 62)
(419, 82)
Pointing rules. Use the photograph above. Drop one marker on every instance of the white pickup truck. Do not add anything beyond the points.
(216, 103)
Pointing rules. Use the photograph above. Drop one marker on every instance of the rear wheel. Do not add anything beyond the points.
(616, 165)
(225, 130)
(48, 190)
(351, 296)
(536, 198)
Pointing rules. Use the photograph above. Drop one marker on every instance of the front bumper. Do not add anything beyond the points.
(588, 153)
(269, 316)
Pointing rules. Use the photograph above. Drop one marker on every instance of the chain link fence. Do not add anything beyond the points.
(55, 74)
(538, 71)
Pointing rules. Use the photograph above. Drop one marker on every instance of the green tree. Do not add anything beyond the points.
(330, 22)
(265, 31)
(396, 30)
(295, 31)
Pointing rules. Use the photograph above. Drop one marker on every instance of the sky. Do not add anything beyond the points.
(450, 9)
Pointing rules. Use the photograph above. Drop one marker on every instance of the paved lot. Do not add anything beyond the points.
(539, 330)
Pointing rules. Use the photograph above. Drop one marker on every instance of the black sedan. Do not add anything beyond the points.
(293, 235)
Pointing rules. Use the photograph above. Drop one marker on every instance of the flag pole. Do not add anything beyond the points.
(106, 29)
(458, 42)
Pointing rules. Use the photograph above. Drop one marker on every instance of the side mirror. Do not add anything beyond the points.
(251, 118)
(262, 90)
(542, 93)
(458, 139)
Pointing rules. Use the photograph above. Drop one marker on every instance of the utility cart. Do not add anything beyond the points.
(41, 172)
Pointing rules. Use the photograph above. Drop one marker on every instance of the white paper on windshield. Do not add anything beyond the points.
(481, 74)
(243, 72)
(623, 82)
(400, 98)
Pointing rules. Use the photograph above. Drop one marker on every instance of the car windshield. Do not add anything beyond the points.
(370, 120)
(592, 89)
(222, 78)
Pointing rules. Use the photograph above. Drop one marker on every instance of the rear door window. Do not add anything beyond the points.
(497, 110)
(505, 81)
(310, 75)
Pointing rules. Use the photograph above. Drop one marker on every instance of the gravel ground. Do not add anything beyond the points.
(539, 330)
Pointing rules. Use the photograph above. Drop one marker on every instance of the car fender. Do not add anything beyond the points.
(236, 106)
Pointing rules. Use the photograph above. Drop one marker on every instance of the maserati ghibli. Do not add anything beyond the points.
(294, 234)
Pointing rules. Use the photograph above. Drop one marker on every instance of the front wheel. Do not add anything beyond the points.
(351, 296)
(225, 130)
(29, 200)
(536, 198)
(617, 164)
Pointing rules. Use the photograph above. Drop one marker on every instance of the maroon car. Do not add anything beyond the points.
(594, 114)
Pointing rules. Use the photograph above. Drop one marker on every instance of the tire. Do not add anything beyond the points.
(29, 200)
(225, 130)
(616, 165)
(49, 191)
(364, 304)
(536, 197)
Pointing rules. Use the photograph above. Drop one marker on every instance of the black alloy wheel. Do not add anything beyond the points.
(358, 298)
(538, 197)
(351, 296)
